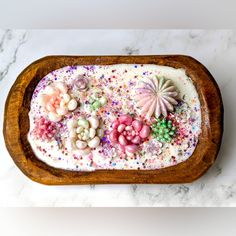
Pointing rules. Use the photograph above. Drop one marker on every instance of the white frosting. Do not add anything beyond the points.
(128, 77)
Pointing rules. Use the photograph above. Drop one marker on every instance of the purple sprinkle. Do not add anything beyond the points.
(104, 139)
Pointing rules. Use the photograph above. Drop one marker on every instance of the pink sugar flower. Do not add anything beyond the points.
(129, 133)
(56, 101)
(157, 96)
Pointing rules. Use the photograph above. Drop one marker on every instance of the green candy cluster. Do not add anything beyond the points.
(163, 130)
(96, 103)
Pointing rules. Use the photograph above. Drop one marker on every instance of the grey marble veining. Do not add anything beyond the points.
(216, 49)
(6, 44)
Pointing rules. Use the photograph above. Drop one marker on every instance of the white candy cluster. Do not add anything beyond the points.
(85, 133)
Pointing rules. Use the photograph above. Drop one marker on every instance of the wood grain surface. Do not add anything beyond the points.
(16, 124)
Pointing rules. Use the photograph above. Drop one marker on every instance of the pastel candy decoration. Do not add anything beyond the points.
(137, 124)
(96, 101)
(157, 96)
(44, 130)
(72, 104)
(129, 133)
(125, 119)
(57, 102)
(163, 130)
(131, 148)
(80, 83)
(85, 133)
(144, 132)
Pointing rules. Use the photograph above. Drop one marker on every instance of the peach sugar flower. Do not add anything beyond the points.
(56, 101)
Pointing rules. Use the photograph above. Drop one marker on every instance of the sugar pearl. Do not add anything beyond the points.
(62, 103)
(103, 101)
(79, 130)
(81, 144)
(137, 125)
(128, 128)
(136, 140)
(120, 128)
(100, 133)
(125, 119)
(92, 132)
(131, 148)
(122, 140)
(115, 124)
(72, 104)
(49, 90)
(94, 142)
(113, 136)
(145, 131)
(49, 107)
(66, 97)
(94, 122)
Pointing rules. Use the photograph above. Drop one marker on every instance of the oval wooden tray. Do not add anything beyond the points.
(16, 124)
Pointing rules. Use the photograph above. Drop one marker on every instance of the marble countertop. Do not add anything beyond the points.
(216, 49)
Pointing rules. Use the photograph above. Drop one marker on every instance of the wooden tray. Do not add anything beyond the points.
(16, 124)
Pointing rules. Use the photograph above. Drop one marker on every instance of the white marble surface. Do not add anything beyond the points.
(215, 49)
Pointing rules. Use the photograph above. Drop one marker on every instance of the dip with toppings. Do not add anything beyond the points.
(122, 116)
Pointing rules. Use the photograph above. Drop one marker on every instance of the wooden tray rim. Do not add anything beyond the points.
(58, 176)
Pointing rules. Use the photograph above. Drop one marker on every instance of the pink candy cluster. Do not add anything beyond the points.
(129, 133)
(44, 129)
